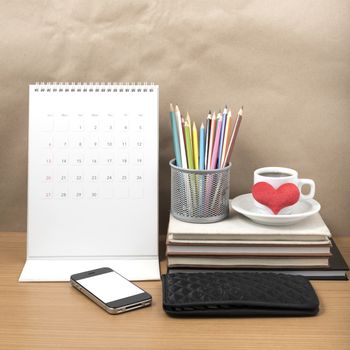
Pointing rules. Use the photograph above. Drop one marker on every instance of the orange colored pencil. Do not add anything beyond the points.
(233, 136)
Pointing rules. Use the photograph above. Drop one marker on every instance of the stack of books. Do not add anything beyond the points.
(305, 248)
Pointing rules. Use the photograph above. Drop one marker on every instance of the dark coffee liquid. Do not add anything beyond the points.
(274, 174)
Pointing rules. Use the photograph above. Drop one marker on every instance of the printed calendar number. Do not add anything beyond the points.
(122, 175)
(93, 175)
(61, 192)
(47, 192)
(92, 140)
(92, 125)
(124, 124)
(108, 143)
(78, 124)
(62, 159)
(46, 141)
(77, 158)
(139, 126)
(138, 159)
(47, 159)
(77, 141)
(93, 194)
(76, 174)
(78, 161)
(139, 143)
(107, 175)
(77, 192)
(123, 142)
(108, 125)
(137, 175)
(123, 159)
(93, 158)
(48, 178)
(61, 141)
(61, 175)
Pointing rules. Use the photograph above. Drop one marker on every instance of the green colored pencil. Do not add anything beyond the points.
(189, 148)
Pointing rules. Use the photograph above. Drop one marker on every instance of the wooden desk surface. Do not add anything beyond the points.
(56, 316)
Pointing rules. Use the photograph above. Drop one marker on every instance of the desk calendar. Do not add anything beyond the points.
(92, 180)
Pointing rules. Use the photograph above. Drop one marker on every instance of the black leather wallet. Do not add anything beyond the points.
(238, 294)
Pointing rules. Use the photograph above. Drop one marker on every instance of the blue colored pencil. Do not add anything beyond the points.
(176, 143)
(202, 148)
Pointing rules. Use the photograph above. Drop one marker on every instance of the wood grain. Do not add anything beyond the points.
(56, 316)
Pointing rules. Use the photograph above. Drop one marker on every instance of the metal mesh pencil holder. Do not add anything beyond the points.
(200, 196)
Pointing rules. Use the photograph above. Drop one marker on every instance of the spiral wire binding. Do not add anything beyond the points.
(94, 87)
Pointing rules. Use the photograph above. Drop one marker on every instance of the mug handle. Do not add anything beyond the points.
(311, 183)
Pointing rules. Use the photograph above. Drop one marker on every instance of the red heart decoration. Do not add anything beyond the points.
(275, 199)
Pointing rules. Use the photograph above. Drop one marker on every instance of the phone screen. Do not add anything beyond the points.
(109, 287)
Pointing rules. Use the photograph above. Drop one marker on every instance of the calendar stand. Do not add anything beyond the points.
(52, 270)
(92, 180)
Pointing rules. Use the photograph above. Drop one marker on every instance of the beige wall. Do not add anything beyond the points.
(287, 62)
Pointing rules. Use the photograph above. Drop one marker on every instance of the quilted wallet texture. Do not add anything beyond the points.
(238, 294)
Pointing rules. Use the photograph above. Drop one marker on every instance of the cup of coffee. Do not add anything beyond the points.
(277, 190)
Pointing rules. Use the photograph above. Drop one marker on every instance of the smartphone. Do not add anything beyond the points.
(111, 291)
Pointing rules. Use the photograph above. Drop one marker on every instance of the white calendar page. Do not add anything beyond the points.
(93, 172)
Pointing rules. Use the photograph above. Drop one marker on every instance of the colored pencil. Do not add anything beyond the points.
(202, 145)
(189, 148)
(226, 138)
(215, 154)
(175, 136)
(188, 119)
(211, 139)
(207, 135)
(222, 136)
(183, 129)
(195, 146)
(233, 136)
(181, 138)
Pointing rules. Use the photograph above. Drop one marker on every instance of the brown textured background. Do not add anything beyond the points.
(287, 62)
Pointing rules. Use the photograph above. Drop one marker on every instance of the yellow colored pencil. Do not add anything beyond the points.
(226, 138)
(195, 146)
(189, 148)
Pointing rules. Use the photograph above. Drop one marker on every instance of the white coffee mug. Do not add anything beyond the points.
(276, 177)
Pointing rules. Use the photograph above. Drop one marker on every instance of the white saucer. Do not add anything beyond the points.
(244, 205)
